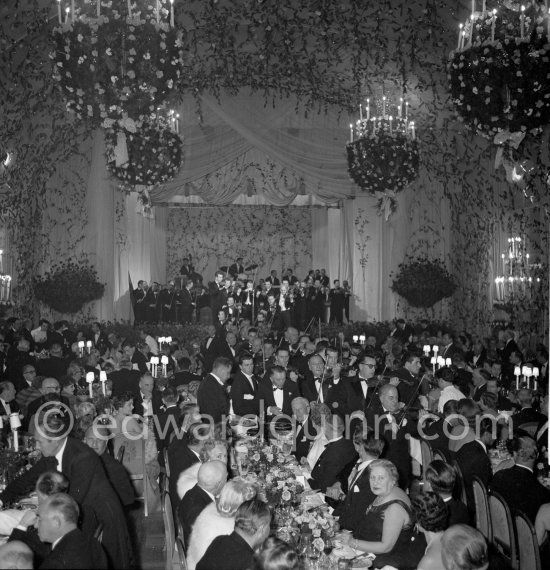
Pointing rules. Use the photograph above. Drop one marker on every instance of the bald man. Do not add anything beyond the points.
(16, 554)
(211, 478)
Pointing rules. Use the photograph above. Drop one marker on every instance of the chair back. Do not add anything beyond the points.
(169, 531)
(181, 553)
(166, 462)
(529, 427)
(528, 546)
(438, 454)
(134, 462)
(427, 457)
(483, 517)
(460, 489)
(120, 453)
(504, 538)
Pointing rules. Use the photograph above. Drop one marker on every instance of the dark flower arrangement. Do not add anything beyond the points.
(422, 282)
(113, 66)
(155, 153)
(504, 83)
(68, 286)
(383, 162)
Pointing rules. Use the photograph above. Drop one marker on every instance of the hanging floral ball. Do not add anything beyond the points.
(155, 153)
(383, 162)
(116, 65)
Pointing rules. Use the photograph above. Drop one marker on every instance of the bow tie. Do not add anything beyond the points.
(275, 388)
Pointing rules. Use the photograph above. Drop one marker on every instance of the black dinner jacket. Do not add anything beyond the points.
(139, 359)
(521, 490)
(527, 415)
(52, 367)
(156, 399)
(119, 479)
(239, 389)
(164, 426)
(473, 460)
(125, 380)
(457, 512)
(183, 377)
(265, 394)
(180, 458)
(336, 399)
(227, 552)
(74, 550)
(334, 464)
(213, 399)
(305, 435)
(356, 398)
(190, 507)
(358, 498)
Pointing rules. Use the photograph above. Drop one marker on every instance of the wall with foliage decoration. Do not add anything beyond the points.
(271, 237)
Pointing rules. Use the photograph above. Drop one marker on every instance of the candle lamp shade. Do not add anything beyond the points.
(15, 421)
(155, 360)
(164, 359)
(103, 376)
(90, 377)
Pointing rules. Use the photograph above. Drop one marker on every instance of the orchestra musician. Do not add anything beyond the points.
(237, 268)
(139, 294)
(167, 303)
(186, 303)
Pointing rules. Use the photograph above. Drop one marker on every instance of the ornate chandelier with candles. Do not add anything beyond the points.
(499, 73)
(382, 151)
(116, 61)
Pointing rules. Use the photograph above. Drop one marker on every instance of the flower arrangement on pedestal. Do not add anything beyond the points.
(422, 282)
(68, 286)
(111, 62)
(383, 159)
(499, 74)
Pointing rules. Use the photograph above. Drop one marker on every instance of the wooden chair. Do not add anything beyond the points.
(181, 553)
(528, 546)
(166, 462)
(460, 489)
(483, 517)
(427, 457)
(169, 531)
(120, 454)
(134, 461)
(504, 538)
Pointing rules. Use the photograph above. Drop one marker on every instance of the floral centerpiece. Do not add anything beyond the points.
(500, 77)
(423, 282)
(112, 62)
(317, 521)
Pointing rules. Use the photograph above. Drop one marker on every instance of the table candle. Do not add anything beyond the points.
(435, 348)
(157, 12)
(72, 11)
(350, 132)
(384, 107)
(412, 130)
(368, 109)
(81, 348)
(355, 338)
(103, 379)
(89, 346)
(471, 29)
(522, 22)
(172, 13)
(160, 341)
(448, 362)
(168, 339)
(129, 8)
(154, 365)
(459, 35)
(90, 380)
(493, 24)
(98, 8)
(360, 112)
(59, 11)
(67, 10)
(433, 361)
(164, 360)
(15, 440)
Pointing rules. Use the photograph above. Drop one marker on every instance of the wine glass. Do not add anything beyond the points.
(329, 545)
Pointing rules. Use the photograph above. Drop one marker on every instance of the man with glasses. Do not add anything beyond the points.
(27, 391)
(363, 389)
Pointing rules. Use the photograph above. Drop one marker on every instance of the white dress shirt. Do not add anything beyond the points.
(59, 455)
(449, 393)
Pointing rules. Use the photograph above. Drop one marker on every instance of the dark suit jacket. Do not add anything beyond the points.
(183, 378)
(358, 498)
(527, 415)
(356, 397)
(509, 347)
(521, 490)
(266, 394)
(227, 552)
(53, 367)
(156, 399)
(435, 435)
(473, 460)
(190, 507)
(164, 426)
(334, 464)
(180, 457)
(35, 404)
(243, 397)
(213, 399)
(125, 380)
(74, 550)
(139, 359)
(336, 394)
(304, 439)
(119, 479)
(458, 512)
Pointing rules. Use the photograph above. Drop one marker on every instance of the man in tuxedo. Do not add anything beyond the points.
(16, 358)
(236, 268)
(152, 303)
(236, 550)
(510, 346)
(211, 478)
(441, 478)
(305, 430)
(88, 483)
(244, 388)
(212, 394)
(472, 459)
(402, 331)
(217, 293)
(186, 303)
(336, 461)
(148, 402)
(362, 389)
(187, 268)
(99, 338)
(125, 379)
(58, 525)
(408, 386)
(519, 485)
(183, 376)
(55, 365)
(479, 379)
(321, 385)
(359, 496)
(435, 430)
(167, 303)
(276, 398)
(138, 359)
(166, 420)
(138, 295)
(527, 413)
(50, 390)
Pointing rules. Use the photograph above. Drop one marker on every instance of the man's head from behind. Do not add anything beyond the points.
(252, 521)
(212, 477)
(57, 516)
(16, 554)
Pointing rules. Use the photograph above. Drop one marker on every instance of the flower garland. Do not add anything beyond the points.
(114, 65)
(154, 153)
(501, 81)
(383, 163)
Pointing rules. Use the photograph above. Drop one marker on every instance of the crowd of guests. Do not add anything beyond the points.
(233, 295)
(355, 410)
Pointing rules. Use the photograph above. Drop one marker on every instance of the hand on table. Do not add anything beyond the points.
(344, 538)
(334, 491)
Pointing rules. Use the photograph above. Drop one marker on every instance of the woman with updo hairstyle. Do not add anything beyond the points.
(431, 519)
(464, 548)
(217, 519)
(275, 554)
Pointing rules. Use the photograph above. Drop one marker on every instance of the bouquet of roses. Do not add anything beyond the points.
(267, 457)
(319, 523)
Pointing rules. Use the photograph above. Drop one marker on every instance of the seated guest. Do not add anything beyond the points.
(446, 379)
(29, 389)
(125, 379)
(336, 461)
(236, 551)
(184, 376)
(275, 554)
(211, 478)
(464, 429)
(320, 415)
(57, 525)
(305, 430)
(431, 519)
(518, 485)
(441, 479)
(276, 395)
(360, 495)
(526, 414)
(437, 432)
(473, 459)
(97, 437)
(211, 450)
(217, 519)
(387, 528)
(50, 392)
(16, 554)
(166, 420)
(464, 548)
(55, 366)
